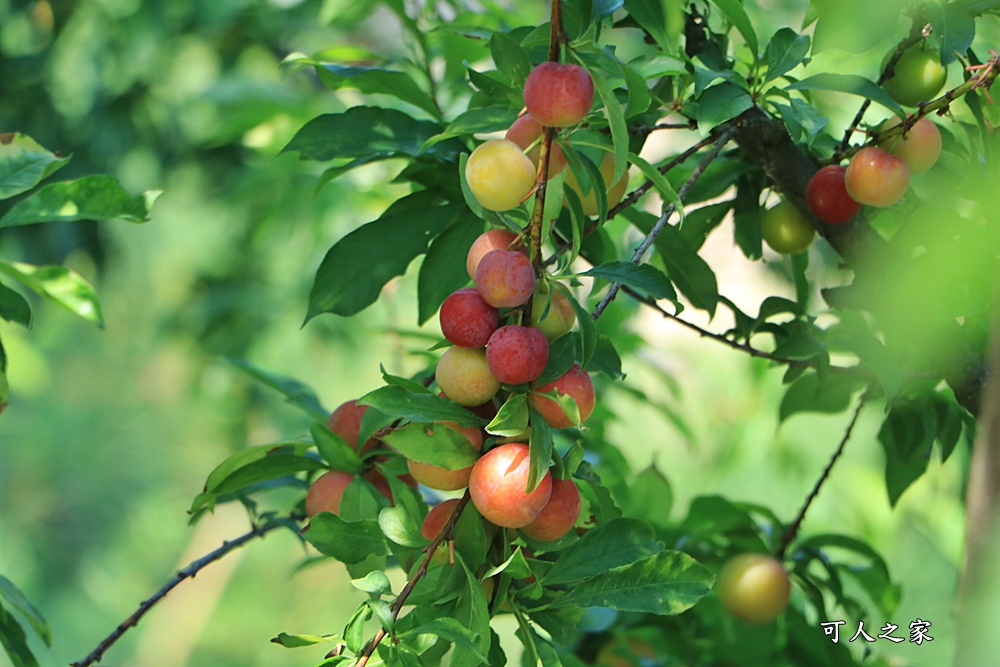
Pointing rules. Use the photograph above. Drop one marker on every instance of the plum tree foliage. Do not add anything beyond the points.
(754, 119)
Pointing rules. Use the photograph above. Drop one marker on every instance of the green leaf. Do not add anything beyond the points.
(347, 542)
(540, 449)
(804, 123)
(348, 280)
(906, 435)
(668, 582)
(440, 274)
(297, 393)
(397, 402)
(333, 448)
(606, 359)
(249, 456)
(688, 271)
(809, 393)
(617, 542)
(12, 596)
(59, 285)
(786, 51)
(14, 307)
(24, 164)
(616, 120)
(14, 641)
(400, 528)
(852, 84)
(88, 198)
(649, 496)
(509, 58)
(374, 582)
(956, 28)
(450, 630)
(660, 182)
(377, 80)
(495, 118)
(638, 94)
(299, 641)
(443, 446)
(362, 131)
(512, 417)
(270, 467)
(586, 332)
(660, 19)
(472, 612)
(720, 103)
(562, 356)
(643, 277)
(737, 15)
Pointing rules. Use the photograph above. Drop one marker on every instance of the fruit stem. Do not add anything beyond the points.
(793, 528)
(446, 532)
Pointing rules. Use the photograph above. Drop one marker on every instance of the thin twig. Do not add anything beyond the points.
(667, 213)
(188, 572)
(421, 572)
(793, 529)
(736, 345)
(916, 35)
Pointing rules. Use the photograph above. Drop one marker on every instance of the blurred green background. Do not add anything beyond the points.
(110, 434)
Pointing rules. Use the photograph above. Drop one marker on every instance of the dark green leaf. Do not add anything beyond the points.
(440, 274)
(356, 268)
(347, 542)
(14, 641)
(400, 85)
(906, 435)
(652, 16)
(638, 95)
(88, 198)
(587, 334)
(616, 120)
(249, 456)
(720, 103)
(689, 272)
(298, 394)
(397, 402)
(333, 448)
(804, 123)
(444, 446)
(540, 445)
(786, 51)
(668, 582)
(14, 307)
(852, 84)
(24, 164)
(809, 393)
(362, 131)
(955, 26)
(699, 223)
(270, 467)
(14, 599)
(509, 58)
(563, 354)
(448, 629)
(470, 535)
(474, 121)
(660, 182)
(643, 277)
(59, 285)
(606, 359)
(617, 542)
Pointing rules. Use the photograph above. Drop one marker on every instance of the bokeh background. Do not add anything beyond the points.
(111, 433)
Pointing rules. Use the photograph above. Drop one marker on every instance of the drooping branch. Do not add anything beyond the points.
(188, 572)
(793, 528)
(397, 605)
(667, 214)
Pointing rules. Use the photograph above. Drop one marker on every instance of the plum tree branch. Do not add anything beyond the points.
(668, 212)
(397, 605)
(189, 572)
(793, 528)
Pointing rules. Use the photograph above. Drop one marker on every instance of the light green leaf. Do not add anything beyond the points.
(14, 599)
(643, 277)
(512, 417)
(298, 641)
(852, 84)
(397, 402)
(737, 15)
(87, 198)
(24, 164)
(374, 582)
(434, 444)
(59, 285)
(333, 448)
(612, 544)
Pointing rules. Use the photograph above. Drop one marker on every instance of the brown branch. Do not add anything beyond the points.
(793, 528)
(667, 213)
(188, 572)
(421, 572)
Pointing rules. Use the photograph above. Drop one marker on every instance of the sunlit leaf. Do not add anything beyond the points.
(609, 545)
(88, 198)
(24, 163)
(59, 285)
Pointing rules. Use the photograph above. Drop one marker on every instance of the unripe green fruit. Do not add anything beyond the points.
(785, 229)
(918, 76)
(754, 587)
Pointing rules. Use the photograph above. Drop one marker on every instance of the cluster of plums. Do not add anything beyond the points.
(877, 175)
